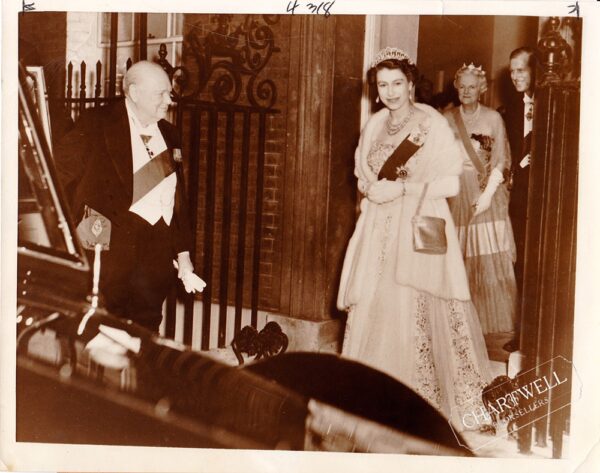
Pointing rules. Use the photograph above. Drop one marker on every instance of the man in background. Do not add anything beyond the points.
(519, 126)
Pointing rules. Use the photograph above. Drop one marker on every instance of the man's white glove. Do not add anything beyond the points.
(485, 199)
(183, 264)
(185, 271)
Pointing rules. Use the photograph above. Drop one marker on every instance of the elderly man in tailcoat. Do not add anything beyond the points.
(120, 170)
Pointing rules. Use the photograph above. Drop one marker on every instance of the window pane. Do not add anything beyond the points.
(157, 25)
(178, 24)
(125, 27)
(105, 33)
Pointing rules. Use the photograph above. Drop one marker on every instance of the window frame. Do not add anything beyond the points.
(170, 38)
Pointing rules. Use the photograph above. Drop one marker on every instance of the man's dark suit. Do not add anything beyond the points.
(95, 166)
(514, 118)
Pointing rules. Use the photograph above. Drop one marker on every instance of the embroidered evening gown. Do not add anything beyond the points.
(487, 241)
(432, 344)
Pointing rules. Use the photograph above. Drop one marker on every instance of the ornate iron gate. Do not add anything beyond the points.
(223, 123)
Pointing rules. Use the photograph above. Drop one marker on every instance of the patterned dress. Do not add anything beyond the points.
(487, 241)
(410, 315)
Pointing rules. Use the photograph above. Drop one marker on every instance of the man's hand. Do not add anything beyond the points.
(184, 264)
(185, 271)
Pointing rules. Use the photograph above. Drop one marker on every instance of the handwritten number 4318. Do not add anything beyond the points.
(322, 8)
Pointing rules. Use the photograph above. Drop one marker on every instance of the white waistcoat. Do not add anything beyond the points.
(160, 201)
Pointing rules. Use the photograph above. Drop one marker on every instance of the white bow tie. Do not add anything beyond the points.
(527, 99)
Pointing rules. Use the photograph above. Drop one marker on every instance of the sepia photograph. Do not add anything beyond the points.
(300, 231)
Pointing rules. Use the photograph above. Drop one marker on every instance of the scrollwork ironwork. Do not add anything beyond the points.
(265, 90)
(230, 58)
(227, 86)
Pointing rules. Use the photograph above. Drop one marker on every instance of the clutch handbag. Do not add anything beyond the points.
(429, 233)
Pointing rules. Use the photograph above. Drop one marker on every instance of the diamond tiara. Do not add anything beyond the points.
(471, 68)
(391, 53)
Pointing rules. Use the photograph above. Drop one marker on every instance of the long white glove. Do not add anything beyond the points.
(485, 199)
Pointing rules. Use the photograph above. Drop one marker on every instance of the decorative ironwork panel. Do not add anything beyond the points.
(229, 61)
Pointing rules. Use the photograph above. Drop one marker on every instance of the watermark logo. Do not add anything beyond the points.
(508, 404)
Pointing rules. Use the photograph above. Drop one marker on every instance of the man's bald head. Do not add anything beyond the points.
(148, 89)
(140, 72)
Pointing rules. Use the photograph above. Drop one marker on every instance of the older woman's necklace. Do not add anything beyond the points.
(470, 118)
(393, 129)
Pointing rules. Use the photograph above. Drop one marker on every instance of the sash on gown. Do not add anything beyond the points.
(464, 136)
(393, 168)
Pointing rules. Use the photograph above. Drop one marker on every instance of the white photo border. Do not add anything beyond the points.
(585, 415)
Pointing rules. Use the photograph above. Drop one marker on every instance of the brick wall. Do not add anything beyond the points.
(276, 70)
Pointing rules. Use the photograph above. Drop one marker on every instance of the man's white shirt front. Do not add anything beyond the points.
(160, 201)
(527, 124)
(527, 114)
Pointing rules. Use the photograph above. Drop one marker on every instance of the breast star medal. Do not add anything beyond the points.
(402, 172)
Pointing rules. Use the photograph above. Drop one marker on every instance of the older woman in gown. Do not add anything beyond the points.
(480, 211)
(410, 314)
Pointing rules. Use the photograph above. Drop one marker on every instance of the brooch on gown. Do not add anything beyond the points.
(402, 172)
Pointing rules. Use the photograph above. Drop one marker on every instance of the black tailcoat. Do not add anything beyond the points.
(514, 118)
(95, 165)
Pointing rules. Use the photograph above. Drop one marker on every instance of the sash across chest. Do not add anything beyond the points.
(393, 168)
(152, 174)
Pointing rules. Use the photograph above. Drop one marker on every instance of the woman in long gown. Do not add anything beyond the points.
(480, 211)
(410, 314)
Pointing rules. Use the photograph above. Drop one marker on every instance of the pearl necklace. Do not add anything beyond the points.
(470, 117)
(393, 129)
